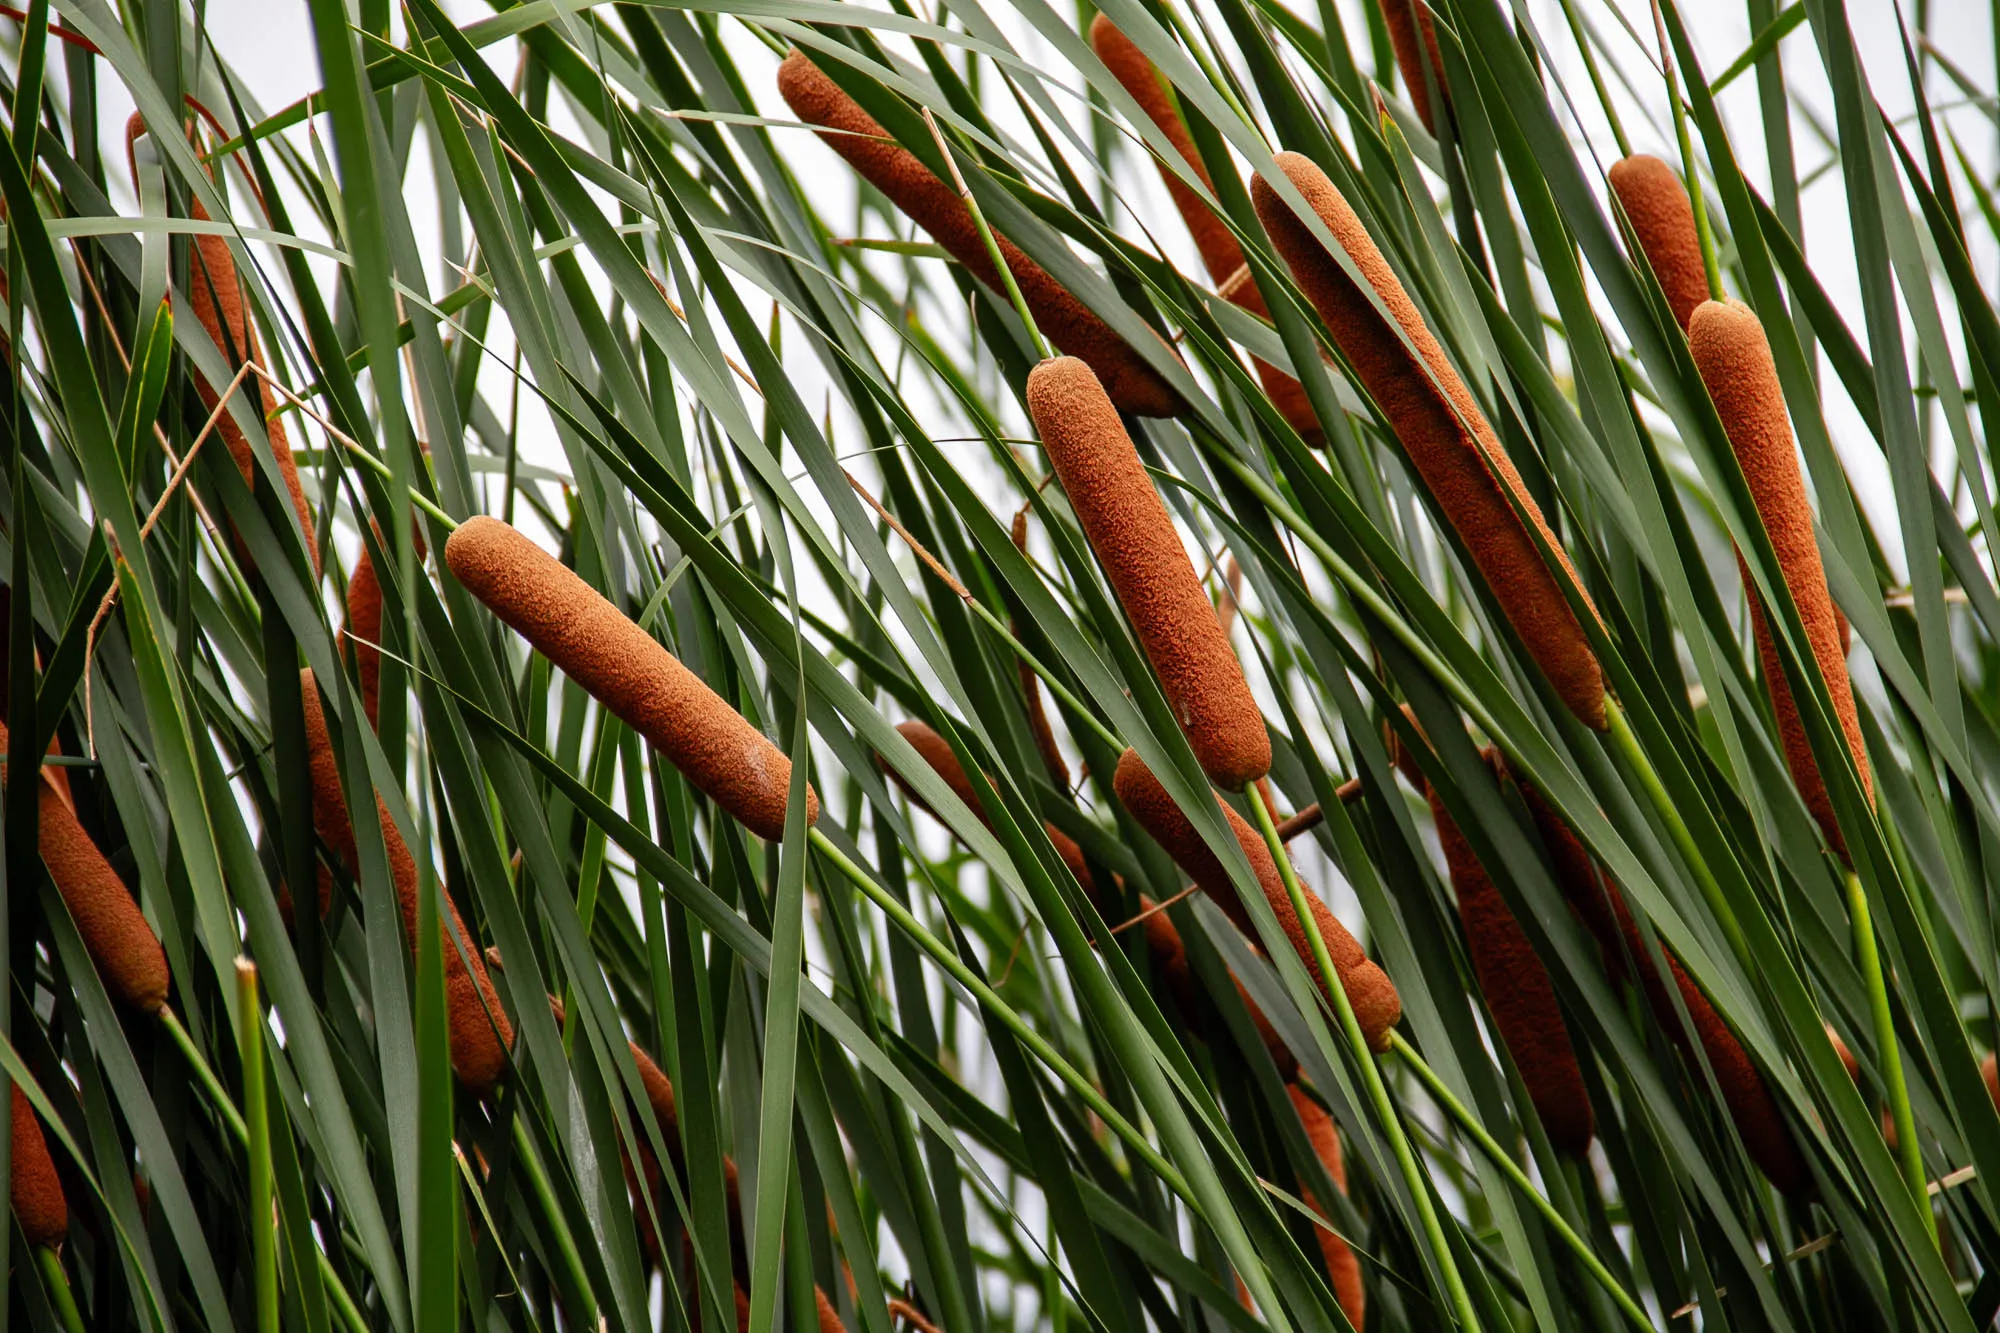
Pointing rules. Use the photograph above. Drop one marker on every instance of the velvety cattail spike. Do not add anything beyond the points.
(1662, 218)
(935, 206)
(1221, 255)
(364, 628)
(481, 1034)
(1343, 1270)
(34, 1188)
(1439, 423)
(216, 297)
(1601, 907)
(1517, 990)
(1413, 36)
(115, 932)
(1734, 358)
(1148, 568)
(625, 669)
(1369, 990)
(1989, 1070)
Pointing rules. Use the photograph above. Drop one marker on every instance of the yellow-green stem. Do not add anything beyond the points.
(57, 1282)
(1371, 1075)
(1710, 266)
(1462, 1115)
(1868, 957)
(1035, 338)
(256, 1112)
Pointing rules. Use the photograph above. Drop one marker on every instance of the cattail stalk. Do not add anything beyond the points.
(1656, 204)
(1516, 985)
(1367, 988)
(1148, 568)
(1221, 255)
(115, 932)
(1343, 1270)
(933, 205)
(624, 668)
(1434, 414)
(33, 1187)
(481, 1034)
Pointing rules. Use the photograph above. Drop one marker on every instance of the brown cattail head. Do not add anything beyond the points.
(1221, 255)
(1730, 349)
(1148, 568)
(1989, 1069)
(364, 627)
(1517, 989)
(1601, 906)
(1656, 204)
(481, 1034)
(625, 669)
(115, 932)
(1369, 990)
(1343, 1270)
(34, 1189)
(217, 300)
(933, 205)
(1436, 417)
(1414, 38)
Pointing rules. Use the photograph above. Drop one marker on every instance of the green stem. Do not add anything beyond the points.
(1590, 66)
(217, 1094)
(1868, 957)
(256, 1112)
(990, 998)
(1486, 1144)
(545, 1195)
(57, 1282)
(1702, 230)
(1642, 768)
(1371, 1073)
(1035, 338)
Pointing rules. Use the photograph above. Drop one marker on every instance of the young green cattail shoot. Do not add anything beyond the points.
(1517, 988)
(1221, 255)
(480, 1032)
(1656, 204)
(1601, 906)
(115, 932)
(1343, 1270)
(33, 1186)
(1734, 358)
(624, 668)
(1135, 541)
(933, 205)
(1369, 991)
(1434, 414)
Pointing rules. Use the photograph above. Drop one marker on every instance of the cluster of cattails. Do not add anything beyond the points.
(33, 1187)
(115, 932)
(1221, 255)
(1163, 938)
(625, 669)
(1448, 439)
(936, 207)
(215, 294)
(1512, 977)
(1733, 355)
(480, 1032)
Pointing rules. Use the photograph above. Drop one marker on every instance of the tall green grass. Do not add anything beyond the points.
(576, 266)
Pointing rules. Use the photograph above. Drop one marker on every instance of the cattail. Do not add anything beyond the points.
(1601, 907)
(1369, 990)
(364, 626)
(1221, 255)
(1449, 440)
(1135, 541)
(1031, 687)
(1414, 39)
(34, 1189)
(1734, 358)
(1517, 989)
(1656, 204)
(1343, 1270)
(1163, 938)
(935, 206)
(625, 669)
(481, 1034)
(217, 299)
(115, 932)
(1990, 1071)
